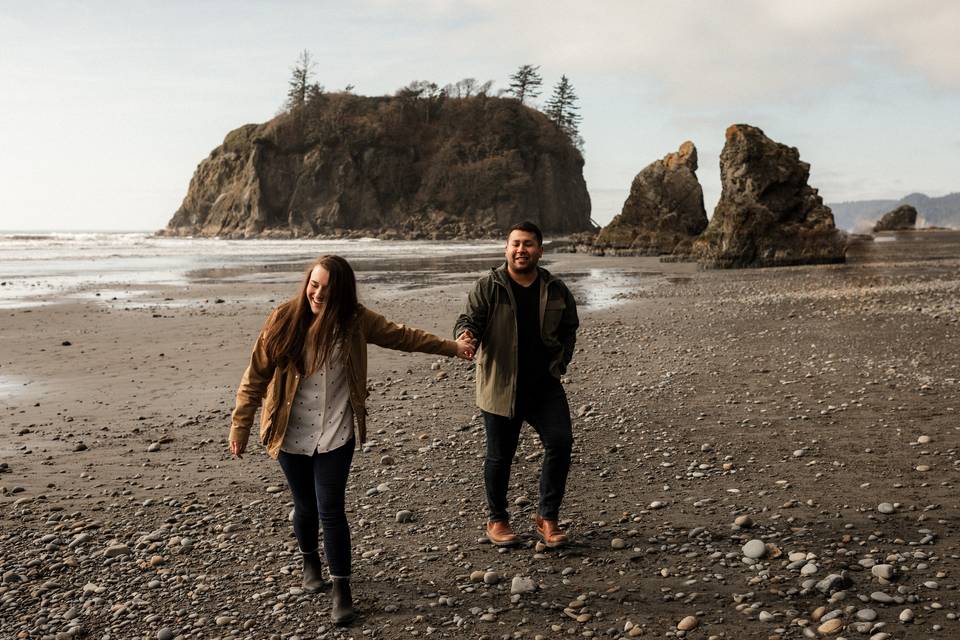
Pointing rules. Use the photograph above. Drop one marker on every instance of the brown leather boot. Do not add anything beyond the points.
(551, 533)
(500, 533)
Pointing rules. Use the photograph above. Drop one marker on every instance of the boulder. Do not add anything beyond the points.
(663, 212)
(903, 217)
(767, 215)
(403, 167)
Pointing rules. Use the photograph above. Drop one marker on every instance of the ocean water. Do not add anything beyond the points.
(45, 268)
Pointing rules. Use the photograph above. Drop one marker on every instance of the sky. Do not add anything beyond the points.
(106, 108)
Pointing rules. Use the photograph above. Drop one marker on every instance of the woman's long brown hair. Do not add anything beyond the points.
(306, 339)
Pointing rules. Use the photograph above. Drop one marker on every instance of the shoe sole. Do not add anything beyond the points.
(345, 621)
(552, 545)
(503, 543)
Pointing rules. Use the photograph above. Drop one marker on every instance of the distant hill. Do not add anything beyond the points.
(860, 215)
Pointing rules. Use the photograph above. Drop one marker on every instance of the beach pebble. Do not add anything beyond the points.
(404, 516)
(883, 571)
(115, 550)
(491, 577)
(688, 623)
(522, 585)
(744, 521)
(154, 446)
(166, 633)
(924, 440)
(618, 543)
(755, 549)
(880, 596)
(866, 615)
(906, 615)
(388, 461)
(830, 626)
(274, 489)
(885, 507)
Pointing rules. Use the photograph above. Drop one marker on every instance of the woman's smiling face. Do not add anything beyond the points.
(316, 291)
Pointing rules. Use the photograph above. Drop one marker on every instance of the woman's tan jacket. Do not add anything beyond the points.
(275, 387)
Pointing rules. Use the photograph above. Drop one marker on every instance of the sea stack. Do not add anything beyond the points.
(768, 215)
(902, 218)
(663, 213)
(403, 167)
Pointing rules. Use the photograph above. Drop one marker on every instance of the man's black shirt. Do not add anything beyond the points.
(532, 363)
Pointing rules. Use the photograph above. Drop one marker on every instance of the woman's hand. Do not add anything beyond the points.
(466, 346)
(237, 448)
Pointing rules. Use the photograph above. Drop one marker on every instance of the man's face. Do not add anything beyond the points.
(523, 251)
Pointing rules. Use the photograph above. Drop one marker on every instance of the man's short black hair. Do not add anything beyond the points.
(529, 227)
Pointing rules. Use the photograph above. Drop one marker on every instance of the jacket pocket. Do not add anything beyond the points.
(552, 315)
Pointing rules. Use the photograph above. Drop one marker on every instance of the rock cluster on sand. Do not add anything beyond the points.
(767, 215)
(903, 217)
(404, 167)
(663, 213)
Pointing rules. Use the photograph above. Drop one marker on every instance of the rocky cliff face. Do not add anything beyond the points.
(903, 217)
(767, 214)
(391, 167)
(663, 213)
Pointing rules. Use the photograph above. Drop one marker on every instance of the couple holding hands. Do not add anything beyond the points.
(308, 374)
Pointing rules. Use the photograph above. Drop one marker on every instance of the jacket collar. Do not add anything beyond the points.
(501, 277)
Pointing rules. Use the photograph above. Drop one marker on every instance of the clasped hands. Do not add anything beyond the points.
(466, 345)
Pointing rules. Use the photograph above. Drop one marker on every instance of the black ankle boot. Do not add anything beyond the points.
(343, 613)
(312, 572)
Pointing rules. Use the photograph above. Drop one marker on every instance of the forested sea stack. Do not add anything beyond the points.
(405, 166)
(663, 213)
(767, 215)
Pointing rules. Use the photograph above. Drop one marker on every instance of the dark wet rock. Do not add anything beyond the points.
(767, 215)
(664, 212)
(903, 217)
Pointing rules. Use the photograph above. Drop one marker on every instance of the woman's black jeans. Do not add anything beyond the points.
(319, 485)
(547, 411)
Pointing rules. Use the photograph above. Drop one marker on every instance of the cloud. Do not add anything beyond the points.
(719, 52)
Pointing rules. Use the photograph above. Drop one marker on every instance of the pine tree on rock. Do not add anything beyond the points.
(526, 82)
(301, 88)
(562, 109)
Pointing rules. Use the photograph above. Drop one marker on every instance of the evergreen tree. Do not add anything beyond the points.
(526, 82)
(562, 109)
(301, 86)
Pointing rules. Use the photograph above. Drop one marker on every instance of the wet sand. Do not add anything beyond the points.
(802, 398)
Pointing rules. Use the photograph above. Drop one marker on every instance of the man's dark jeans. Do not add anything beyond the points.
(547, 411)
(319, 485)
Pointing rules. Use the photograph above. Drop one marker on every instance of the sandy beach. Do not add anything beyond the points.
(820, 406)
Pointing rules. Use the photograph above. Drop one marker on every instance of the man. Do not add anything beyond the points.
(524, 322)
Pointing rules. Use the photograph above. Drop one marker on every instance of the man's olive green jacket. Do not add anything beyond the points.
(492, 319)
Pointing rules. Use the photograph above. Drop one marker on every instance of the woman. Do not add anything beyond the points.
(309, 371)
